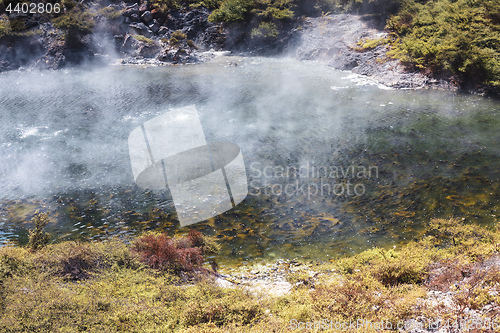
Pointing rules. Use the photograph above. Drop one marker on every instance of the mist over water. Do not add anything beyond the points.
(63, 143)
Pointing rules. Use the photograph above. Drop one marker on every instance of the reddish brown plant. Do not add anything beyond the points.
(165, 253)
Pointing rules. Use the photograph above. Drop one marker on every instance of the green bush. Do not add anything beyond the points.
(178, 35)
(76, 21)
(211, 4)
(241, 10)
(232, 11)
(110, 13)
(265, 30)
(461, 36)
(274, 9)
(38, 238)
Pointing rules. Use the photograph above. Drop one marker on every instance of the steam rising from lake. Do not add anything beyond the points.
(68, 129)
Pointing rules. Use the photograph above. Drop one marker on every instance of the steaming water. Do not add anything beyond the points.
(63, 146)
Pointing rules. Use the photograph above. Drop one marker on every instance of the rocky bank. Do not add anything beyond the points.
(337, 40)
(142, 34)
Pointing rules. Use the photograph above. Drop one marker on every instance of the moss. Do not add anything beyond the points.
(110, 13)
(173, 41)
(300, 277)
(144, 39)
(5, 28)
(366, 44)
(178, 35)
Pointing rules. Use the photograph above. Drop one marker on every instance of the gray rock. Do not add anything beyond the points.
(148, 50)
(131, 10)
(154, 26)
(130, 44)
(163, 31)
(147, 17)
(141, 29)
(135, 18)
(143, 7)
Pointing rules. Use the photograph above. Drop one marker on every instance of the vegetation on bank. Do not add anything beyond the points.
(159, 284)
(461, 36)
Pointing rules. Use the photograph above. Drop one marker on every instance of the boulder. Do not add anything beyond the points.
(130, 44)
(143, 7)
(154, 26)
(157, 14)
(135, 18)
(140, 29)
(147, 17)
(148, 50)
(163, 31)
(131, 10)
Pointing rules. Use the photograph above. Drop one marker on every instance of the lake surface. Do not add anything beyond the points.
(335, 163)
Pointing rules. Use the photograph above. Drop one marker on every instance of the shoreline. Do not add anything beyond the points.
(430, 278)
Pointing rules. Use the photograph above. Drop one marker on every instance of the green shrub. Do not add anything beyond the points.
(76, 21)
(274, 9)
(210, 304)
(265, 30)
(178, 35)
(241, 10)
(232, 11)
(461, 36)
(38, 238)
(110, 13)
(211, 4)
